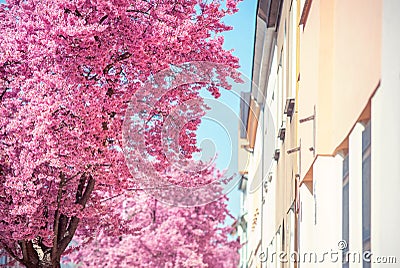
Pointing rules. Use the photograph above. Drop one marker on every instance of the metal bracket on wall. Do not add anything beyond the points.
(311, 118)
(293, 150)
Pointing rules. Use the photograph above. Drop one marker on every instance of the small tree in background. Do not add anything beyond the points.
(162, 236)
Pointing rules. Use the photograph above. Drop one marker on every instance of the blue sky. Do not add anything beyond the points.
(241, 39)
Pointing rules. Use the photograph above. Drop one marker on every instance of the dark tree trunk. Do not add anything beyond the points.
(38, 256)
(34, 253)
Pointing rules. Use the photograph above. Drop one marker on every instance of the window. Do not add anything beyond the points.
(366, 190)
(3, 259)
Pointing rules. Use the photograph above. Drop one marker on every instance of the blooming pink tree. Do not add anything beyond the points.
(162, 236)
(67, 72)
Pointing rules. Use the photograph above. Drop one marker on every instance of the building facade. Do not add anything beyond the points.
(326, 81)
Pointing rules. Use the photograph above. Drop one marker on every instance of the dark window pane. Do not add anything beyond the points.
(366, 137)
(366, 191)
(366, 198)
(345, 167)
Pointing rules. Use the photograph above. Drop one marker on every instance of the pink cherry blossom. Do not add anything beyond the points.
(68, 70)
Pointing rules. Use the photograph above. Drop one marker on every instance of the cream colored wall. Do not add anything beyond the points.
(243, 155)
(269, 207)
(357, 61)
(340, 68)
(306, 221)
(280, 35)
(287, 164)
(269, 226)
(315, 86)
(339, 71)
(324, 107)
(308, 83)
(254, 199)
(254, 235)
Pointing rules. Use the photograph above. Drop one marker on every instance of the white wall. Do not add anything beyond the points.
(321, 214)
(307, 227)
(385, 143)
(327, 176)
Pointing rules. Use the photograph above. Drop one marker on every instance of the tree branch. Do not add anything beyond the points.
(9, 251)
(69, 179)
(32, 254)
(2, 94)
(25, 257)
(63, 223)
(73, 224)
(57, 218)
(81, 186)
(88, 191)
(138, 11)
